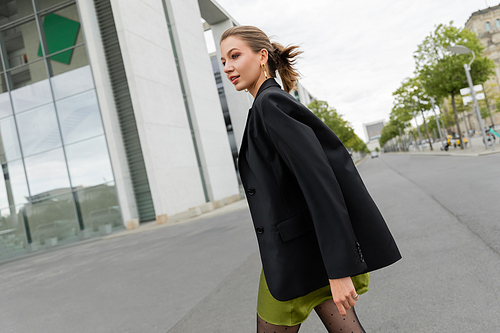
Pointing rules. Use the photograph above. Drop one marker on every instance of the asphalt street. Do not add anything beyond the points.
(202, 275)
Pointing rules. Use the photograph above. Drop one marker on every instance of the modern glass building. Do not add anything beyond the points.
(57, 182)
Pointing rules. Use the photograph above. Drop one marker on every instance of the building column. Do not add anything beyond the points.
(203, 102)
(109, 115)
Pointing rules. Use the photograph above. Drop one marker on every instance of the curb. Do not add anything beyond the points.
(483, 153)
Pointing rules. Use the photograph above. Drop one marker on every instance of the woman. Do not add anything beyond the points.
(319, 232)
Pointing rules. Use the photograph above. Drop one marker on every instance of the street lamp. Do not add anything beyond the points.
(460, 49)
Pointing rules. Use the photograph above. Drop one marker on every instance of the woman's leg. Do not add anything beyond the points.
(265, 327)
(335, 322)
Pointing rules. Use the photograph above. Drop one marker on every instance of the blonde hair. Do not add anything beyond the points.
(281, 58)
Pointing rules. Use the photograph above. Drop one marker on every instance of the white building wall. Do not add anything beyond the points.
(108, 110)
(203, 99)
(162, 123)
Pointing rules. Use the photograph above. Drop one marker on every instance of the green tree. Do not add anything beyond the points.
(338, 125)
(414, 97)
(442, 72)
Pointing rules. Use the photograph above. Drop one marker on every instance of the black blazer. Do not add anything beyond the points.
(313, 216)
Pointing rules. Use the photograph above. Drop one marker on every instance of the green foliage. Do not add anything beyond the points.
(441, 71)
(338, 125)
(409, 99)
(484, 112)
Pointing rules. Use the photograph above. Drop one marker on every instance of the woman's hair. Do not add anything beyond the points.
(281, 59)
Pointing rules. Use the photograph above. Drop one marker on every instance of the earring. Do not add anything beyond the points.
(264, 69)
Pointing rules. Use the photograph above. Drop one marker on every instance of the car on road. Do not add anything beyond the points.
(374, 154)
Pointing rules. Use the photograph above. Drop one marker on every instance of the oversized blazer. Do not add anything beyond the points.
(313, 216)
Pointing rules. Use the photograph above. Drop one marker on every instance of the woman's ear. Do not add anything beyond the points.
(264, 55)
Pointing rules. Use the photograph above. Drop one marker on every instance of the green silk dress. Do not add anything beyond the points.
(296, 311)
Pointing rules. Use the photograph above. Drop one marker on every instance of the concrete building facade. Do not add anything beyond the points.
(112, 115)
(373, 131)
(485, 24)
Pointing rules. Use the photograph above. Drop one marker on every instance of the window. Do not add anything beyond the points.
(487, 26)
(497, 23)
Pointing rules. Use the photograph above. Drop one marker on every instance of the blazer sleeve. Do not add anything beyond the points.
(302, 152)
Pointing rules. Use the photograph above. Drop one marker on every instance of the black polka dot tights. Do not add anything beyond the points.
(329, 315)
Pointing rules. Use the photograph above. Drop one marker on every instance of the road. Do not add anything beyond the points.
(202, 275)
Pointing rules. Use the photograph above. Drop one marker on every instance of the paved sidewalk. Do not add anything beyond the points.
(477, 149)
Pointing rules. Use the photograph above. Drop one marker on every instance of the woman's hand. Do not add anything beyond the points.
(344, 294)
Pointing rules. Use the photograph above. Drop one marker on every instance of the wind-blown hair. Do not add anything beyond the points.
(281, 59)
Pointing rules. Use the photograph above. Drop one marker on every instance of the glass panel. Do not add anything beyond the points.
(80, 117)
(53, 221)
(497, 23)
(12, 235)
(27, 93)
(487, 26)
(9, 143)
(38, 130)
(13, 10)
(20, 44)
(72, 82)
(99, 208)
(62, 31)
(47, 174)
(5, 106)
(44, 4)
(13, 188)
(78, 59)
(89, 163)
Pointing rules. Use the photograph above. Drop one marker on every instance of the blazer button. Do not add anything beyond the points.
(251, 191)
(259, 229)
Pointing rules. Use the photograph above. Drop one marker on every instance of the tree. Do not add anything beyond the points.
(338, 125)
(442, 72)
(412, 97)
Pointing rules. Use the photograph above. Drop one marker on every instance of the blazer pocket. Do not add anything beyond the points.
(295, 226)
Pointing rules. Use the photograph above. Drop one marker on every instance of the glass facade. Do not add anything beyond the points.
(57, 183)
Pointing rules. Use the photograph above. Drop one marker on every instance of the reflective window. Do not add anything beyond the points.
(5, 106)
(9, 143)
(80, 117)
(13, 10)
(51, 132)
(63, 34)
(487, 26)
(13, 188)
(72, 82)
(26, 75)
(12, 235)
(20, 44)
(38, 130)
(99, 208)
(78, 59)
(44, 4)
(47, 174)
(497, 23)
(88, 162)
(53, 221)
(3, 88)
(32, 95)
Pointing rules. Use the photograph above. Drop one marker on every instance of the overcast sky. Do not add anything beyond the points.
(356, 53)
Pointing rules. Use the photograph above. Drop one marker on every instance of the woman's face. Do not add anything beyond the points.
(241, 64)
